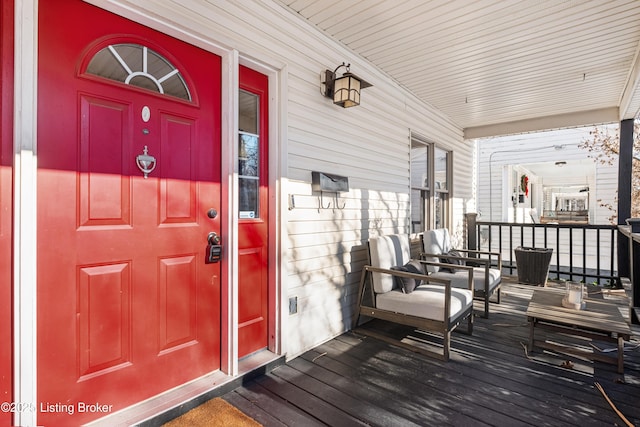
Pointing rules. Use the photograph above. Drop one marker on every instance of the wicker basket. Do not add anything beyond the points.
(533, 265)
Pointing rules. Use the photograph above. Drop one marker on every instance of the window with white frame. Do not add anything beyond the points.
(430, 186)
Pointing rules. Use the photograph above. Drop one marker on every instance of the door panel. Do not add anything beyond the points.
(178, 320)
(104, 185)
(253, 226)
(104, 299)
(127, 307)
(178, 201)
(252, 319)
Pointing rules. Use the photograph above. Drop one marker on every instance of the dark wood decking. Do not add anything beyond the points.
(490, 380)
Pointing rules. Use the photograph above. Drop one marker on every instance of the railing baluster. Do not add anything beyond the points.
(570, 254)
(499, 240)
(511, 249)
(584, 253)
(489, 239)
(598, 252)
(614, 246)
(557, 252)
(533, 236)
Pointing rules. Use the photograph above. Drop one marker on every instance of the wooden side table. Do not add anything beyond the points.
(599, 320)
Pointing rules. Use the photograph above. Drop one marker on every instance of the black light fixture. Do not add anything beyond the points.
(344, 90)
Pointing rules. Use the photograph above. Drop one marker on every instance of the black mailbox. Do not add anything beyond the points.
(321, 181)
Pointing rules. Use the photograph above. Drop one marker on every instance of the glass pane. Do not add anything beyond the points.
(440, 210)
(419, 166)
(248, 198)
(417, 209)
(105, 65)
(139, 66)
(248, 155)
(440, 167)
(145, 83)
(248, 116)
(175, 86)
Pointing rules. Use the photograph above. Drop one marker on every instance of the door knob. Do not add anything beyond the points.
(213, 238)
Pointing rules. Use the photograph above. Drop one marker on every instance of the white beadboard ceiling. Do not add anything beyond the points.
(498, 66)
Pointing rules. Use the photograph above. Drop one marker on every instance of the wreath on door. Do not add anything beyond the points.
(524, 185)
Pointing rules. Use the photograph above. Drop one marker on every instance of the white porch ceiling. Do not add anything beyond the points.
(498, 66)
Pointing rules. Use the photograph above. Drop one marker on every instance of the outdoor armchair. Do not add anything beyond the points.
(445, 262)
(389, 291)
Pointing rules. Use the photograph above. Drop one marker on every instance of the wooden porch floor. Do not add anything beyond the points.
(490, 380)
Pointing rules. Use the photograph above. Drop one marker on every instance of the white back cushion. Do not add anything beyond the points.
(436, 242)
(386, 252)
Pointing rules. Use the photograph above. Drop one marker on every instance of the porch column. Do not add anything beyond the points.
(625, 158)
(471, 218)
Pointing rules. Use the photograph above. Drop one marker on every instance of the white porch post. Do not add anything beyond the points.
(25, 213)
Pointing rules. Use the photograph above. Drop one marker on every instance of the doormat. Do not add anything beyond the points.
(215, 412)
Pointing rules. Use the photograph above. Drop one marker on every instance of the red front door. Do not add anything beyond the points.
(253, 226)
(127, 306)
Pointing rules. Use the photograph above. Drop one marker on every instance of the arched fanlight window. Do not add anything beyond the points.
(137, 65)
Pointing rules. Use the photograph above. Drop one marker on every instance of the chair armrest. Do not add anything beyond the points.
(447, 265)
(461, 258)
(498, 255)
(474, 251)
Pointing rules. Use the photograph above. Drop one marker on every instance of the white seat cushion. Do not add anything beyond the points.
(460, 279)
(425, 301)
(386, 252)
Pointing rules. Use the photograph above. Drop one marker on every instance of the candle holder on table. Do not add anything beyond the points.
(573, 297)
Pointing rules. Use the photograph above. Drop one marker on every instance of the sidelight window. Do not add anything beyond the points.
(249, 156)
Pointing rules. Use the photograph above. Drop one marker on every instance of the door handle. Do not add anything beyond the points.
(213, 238)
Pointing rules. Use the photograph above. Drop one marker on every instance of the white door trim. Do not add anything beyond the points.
(229, 222)
(25, 236)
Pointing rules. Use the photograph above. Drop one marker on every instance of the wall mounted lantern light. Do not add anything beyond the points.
(344, 90)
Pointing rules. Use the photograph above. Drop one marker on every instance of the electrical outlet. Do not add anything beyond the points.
(293, 305)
